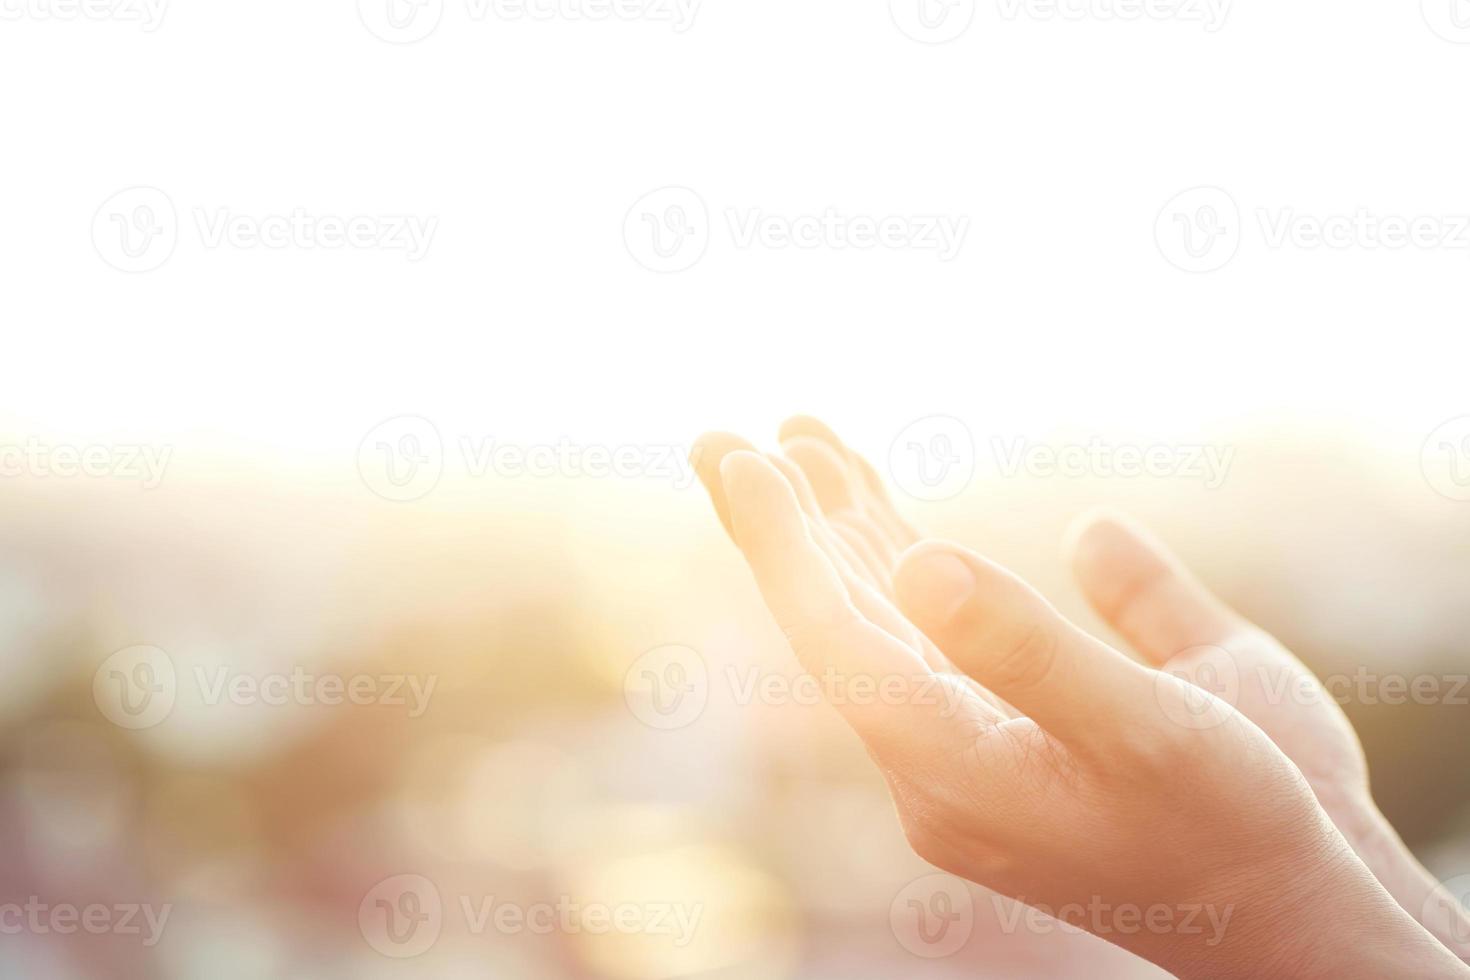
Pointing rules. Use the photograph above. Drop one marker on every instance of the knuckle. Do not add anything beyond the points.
(1026, 661)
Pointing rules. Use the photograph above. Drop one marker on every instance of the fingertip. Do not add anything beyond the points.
(740, 469)
(933, 581)
(809, 427)
(1100, 537)
(707, 456)
(825, 470)
(710, 449)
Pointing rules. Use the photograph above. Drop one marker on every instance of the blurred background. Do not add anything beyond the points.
(530, 769)
(355, 607)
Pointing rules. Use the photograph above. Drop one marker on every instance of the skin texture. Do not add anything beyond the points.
(1059, 771)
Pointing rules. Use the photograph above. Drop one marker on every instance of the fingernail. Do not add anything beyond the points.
(933, 584)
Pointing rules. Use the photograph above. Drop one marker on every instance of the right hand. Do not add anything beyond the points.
(1075, 789)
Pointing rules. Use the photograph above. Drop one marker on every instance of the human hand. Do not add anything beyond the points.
(1176, 624)
(1174, 816)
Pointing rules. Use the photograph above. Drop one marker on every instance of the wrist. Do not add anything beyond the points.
(1321, 914)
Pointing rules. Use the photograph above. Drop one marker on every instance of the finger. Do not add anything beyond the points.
(1144, 592)
(825, 470)
(902, 533)
(862, 587)
(805, 593)
(807, 427)
(837, 493)
(880, 572)
(708, 452)
(868, 486)
(848, 561)
(1000, 631)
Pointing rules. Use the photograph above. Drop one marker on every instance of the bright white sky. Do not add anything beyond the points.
(530, 320)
